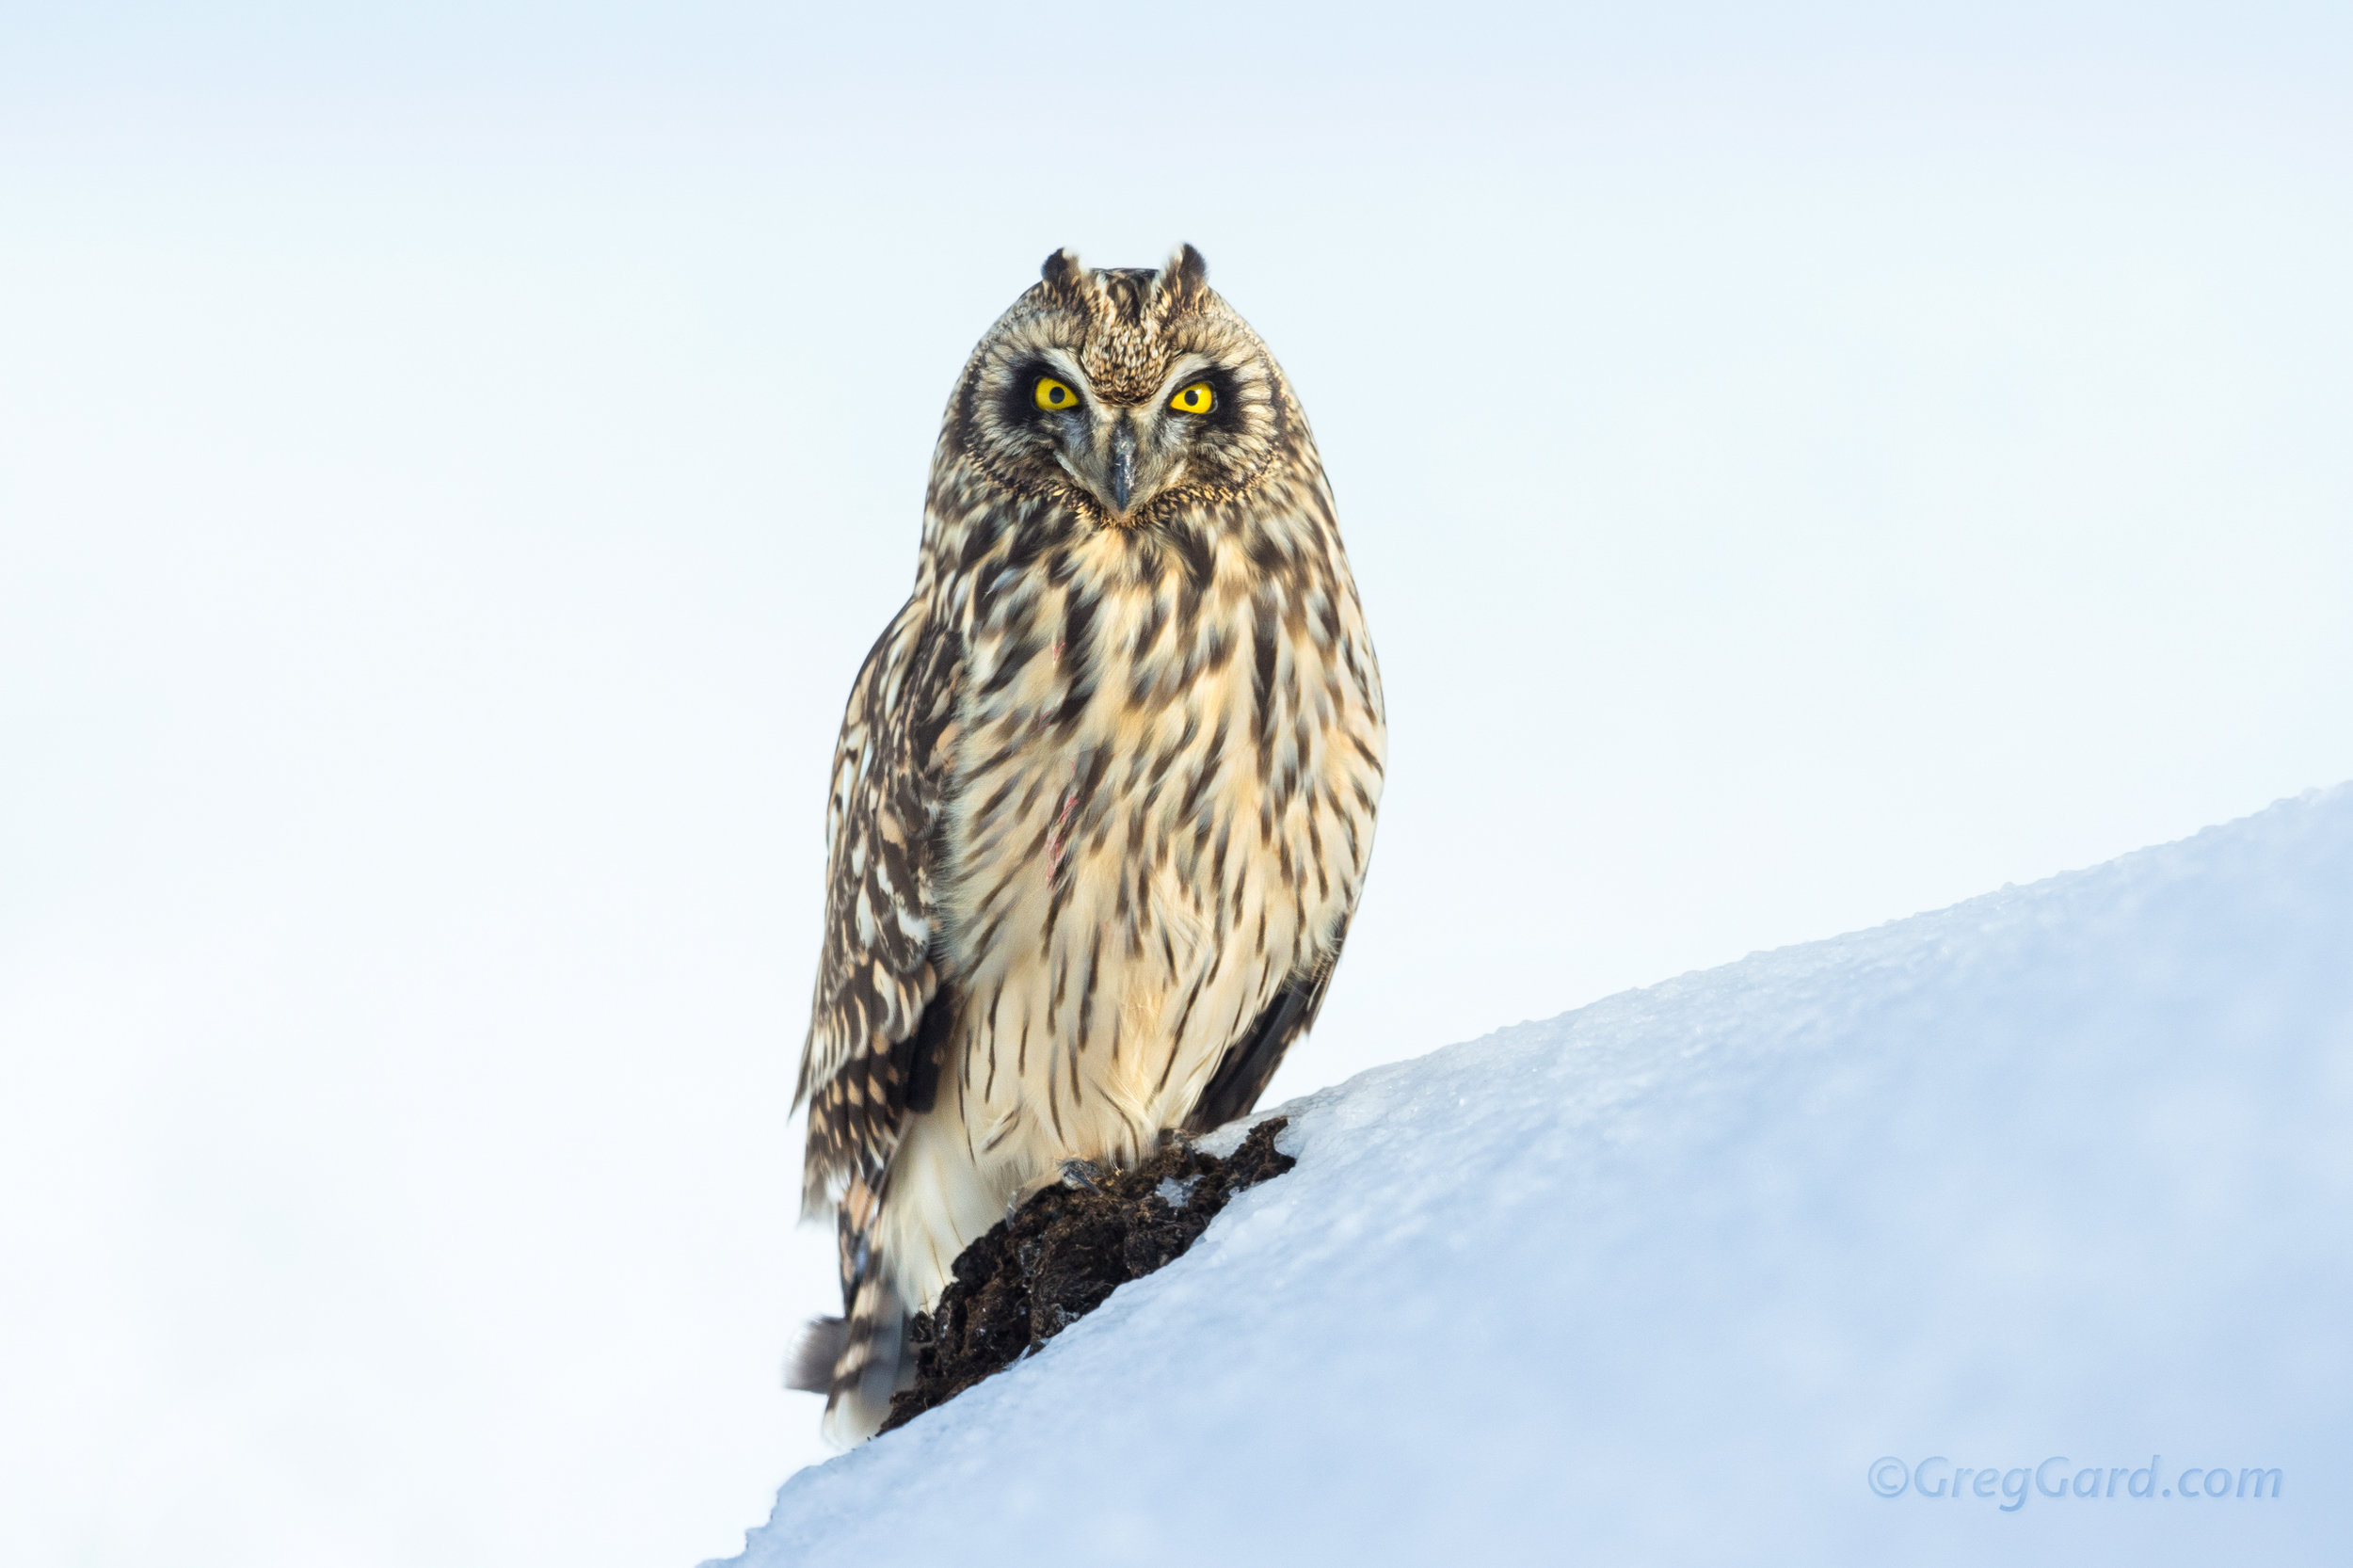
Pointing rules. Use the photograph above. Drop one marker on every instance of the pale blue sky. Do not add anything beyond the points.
(1801, 469)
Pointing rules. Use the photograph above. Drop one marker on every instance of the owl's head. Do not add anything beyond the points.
(1122, 389)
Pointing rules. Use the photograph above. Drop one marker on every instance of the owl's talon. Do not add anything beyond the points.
(1080, 1174)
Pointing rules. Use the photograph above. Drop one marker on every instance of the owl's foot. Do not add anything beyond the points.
(1080, 1174)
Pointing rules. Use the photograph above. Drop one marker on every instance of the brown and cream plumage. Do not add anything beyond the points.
(1104, 795)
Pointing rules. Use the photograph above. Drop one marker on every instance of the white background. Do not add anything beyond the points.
(451, 463)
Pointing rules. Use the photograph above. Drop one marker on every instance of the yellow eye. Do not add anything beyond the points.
(1055, 395)
(1196, 399)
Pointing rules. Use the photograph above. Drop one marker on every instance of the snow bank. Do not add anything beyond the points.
(2056, 1182)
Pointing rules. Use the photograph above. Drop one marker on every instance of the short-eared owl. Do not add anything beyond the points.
(1104, 793)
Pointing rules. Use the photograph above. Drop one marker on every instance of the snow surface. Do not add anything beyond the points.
(2059, 1172)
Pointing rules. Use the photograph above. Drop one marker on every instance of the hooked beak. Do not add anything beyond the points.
(1123, 466)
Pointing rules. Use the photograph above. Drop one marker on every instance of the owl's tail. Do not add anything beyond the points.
(854, 1362)
(810, 1366)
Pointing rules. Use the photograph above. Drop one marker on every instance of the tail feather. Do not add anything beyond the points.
(867, 1369)
(814, 1355)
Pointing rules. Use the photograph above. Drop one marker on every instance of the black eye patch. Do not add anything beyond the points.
(1018, 404)
(1225, 406)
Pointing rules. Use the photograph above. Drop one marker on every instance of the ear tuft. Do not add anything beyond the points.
(1186, 276)
(1063, 273)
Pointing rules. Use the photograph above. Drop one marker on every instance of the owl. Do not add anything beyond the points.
(1103, 799)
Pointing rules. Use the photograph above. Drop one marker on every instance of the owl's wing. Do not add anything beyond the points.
(1248, 1065)
(870, 1059)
